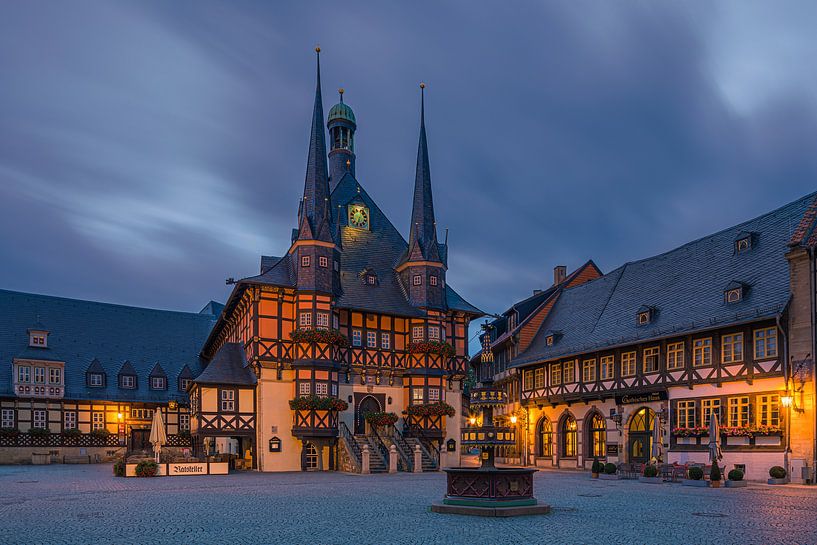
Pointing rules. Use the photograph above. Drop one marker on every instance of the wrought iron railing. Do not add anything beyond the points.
(380, 445)
(352, 448)
(404, 450)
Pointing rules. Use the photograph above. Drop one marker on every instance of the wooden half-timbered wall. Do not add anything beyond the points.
(210, 416)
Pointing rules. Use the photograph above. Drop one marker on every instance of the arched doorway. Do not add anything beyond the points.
(639, 445)
(544, 438)
(569, 437)
(310, 457)
(597, 444)
(367, 405)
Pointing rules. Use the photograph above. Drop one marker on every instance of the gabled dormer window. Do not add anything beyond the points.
(127, 382)
(368, 276)
(744, 242)
(645, 315)
(96, 380)
(552, 337)
(39, 340)
(158, 383)
(734, 292)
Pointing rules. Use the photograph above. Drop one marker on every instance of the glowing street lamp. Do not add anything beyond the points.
(513, 419)
(787, 401)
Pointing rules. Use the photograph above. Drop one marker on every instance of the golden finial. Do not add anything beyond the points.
(422, 85)
(348, 163)
(317, 49)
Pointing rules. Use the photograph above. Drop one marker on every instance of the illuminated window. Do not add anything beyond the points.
(628, 364)
(598, 436)
(556, 374)
(304, 388)
(417, 396)
(651, 359)
(768, 410)
(539, 381)
(766, 343)
(675, 355)
(738, 411)
(357, 338)
(732, 348)
(385, 341)
(371, 339)
(97, 420)
(685, 414)
(607, 363)
(708, 408)
(528, 380)
(69, 420)
(228, 400)
(702, 352)
(569, 372)
(305, 319)
(323, 261)
(569, 437)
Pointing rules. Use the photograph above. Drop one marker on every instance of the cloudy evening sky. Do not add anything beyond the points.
(150, 150)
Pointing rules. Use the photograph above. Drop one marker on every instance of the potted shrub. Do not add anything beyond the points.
(696, 477)
(650, 475)
(778, 475)
(147, 468)
(609, 472)
(715, 476)
(735, 479)
(119, 468)
(596, 468)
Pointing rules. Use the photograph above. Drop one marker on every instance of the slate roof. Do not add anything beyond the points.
(229, 366)
(685, 286)
(84, 331)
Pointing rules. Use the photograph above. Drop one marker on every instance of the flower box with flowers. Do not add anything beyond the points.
(307, 403)
(695, 431)
(432, 347)
(320, 336)
(381, 419)
(439, 408)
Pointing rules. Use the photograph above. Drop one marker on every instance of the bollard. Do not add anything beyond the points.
(418, 459)
(364, 466)
(392, 459)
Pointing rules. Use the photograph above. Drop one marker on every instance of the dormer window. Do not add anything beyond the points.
(645, 315)
(549, 340)
(39, 340)
(734, 292)
(127, 382)
(371, 279)
(96, 380)
(157, 383)
(743, 242)
(552, 337)
(184, 383)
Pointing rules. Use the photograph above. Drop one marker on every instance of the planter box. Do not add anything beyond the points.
(686, 440)
(767, 440)
(736, 484)
(650, 480)
(692, 482)
(737, 441)
(778, 481)
(606, 477)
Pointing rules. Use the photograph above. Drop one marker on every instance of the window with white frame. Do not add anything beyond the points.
(768, 410)
(127, 381)
(702, 352)
(628, 364)
(417, 333)
(527, 380)
(732, 348)
(141, 414)
(432, 280)
(305, 319)
(321, 389)
(7, 420)
(334, 389)
(228, 400)
(765, 343)
(157, 383)
(39, 375)
(675, 355)
(54, 375)
(305, 261)
(304, 388)
(371, 279)
(357, 338)
(184, 383)
(556, 374)
(685, 414)
(738, 411)
(23, 373)
(95, 379)
(651, 359)
(97, 420)
(417, 280)
(569, 372)
(539, 378)
(69, 420)
(323, 261)
(606, 371)
(708, 408)
(433, 333)
(385, 341)
(589, 371)
(417, 395)
(433, 395)
(184, 422)
(371, 339)
(38, 419)
(323, 320)
(37, 339)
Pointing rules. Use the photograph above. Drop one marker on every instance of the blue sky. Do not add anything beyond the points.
(150, 150)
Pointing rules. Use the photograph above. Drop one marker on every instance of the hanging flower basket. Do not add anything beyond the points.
(316, 403)
(381, 419)
(325, 336)
(440, 408)
(432, 347)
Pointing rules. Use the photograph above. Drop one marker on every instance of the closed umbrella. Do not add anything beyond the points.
(715, 454)
(158, 437)
(657, 447)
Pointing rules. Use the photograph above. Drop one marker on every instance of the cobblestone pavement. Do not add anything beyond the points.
(85, 504)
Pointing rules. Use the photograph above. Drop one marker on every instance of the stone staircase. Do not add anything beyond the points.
(376, 462)
(407, 445)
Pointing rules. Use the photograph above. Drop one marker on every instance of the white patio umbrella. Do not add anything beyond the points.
(158, 437)
(715, 454)
(657, 447)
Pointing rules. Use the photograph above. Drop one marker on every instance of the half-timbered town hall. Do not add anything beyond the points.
(610, 366)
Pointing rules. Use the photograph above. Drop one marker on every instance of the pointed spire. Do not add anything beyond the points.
(316, 186)
(423, 234)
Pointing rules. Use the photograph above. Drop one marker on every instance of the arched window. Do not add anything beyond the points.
(544, 438)
(311, 456)
(598, 436)
(569, 437)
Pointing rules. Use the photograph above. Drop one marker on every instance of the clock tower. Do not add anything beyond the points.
(341, 125)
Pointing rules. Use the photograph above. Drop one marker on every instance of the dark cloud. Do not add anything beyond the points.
(149, 150)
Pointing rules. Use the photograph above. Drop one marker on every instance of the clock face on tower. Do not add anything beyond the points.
(359, 216)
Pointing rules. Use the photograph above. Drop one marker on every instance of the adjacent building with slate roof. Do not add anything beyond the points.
(721, 325)
(351, 319)
(93, 367)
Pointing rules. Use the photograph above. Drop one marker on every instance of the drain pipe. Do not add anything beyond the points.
(813, 305)
(786, 370)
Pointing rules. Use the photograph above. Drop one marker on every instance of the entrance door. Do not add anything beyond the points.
(367, 405)
(140, 439)
(641, 429)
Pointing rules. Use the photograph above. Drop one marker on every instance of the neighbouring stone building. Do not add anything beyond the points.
(722, 325)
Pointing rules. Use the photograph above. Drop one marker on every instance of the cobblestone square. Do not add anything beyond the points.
(86, 505)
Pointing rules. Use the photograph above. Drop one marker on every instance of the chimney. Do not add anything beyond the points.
(559, 274)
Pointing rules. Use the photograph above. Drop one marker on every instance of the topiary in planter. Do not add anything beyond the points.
(696, 473)
(715, 473)
(147, 468)
(777, 472)
(609, 469)
(650, 471)
(735, 475)
(119, 468)
(597, 466)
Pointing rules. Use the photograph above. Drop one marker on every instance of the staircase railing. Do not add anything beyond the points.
(352, 448)
(406, 459)
(380, 445)
(427, 446)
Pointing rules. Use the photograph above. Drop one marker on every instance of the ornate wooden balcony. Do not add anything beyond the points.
(430, 427)
(314, 423)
